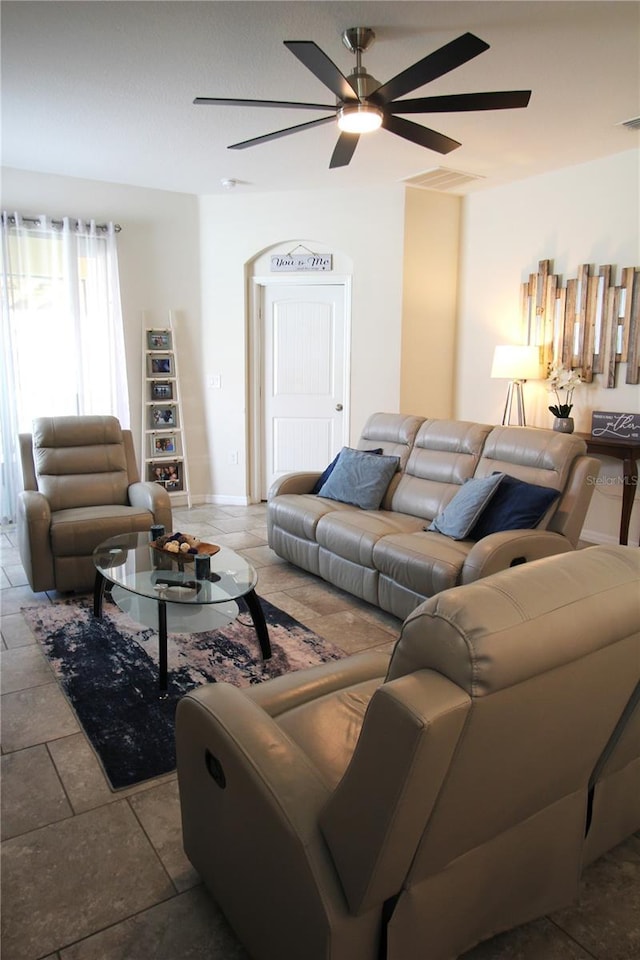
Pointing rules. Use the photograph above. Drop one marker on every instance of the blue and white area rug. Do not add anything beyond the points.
(108, 670)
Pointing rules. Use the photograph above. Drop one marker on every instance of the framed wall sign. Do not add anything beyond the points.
(621, 426)
(309, 262)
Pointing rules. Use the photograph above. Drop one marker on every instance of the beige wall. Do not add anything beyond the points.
(429, 302)
(584, 214)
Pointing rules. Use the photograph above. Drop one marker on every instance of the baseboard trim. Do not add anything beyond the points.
(597, 537)
(222, 500)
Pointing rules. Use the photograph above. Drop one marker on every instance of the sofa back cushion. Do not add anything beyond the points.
(445, 453)
(394, 432)
(542, 457)
(80, 461)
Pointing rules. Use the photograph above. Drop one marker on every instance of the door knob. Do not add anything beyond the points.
(338, 406)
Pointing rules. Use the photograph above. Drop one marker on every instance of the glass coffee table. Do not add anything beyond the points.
(149, 579)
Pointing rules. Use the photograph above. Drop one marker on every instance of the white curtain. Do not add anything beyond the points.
(62, 332)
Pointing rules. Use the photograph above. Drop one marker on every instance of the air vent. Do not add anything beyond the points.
(442, 178)
(633, 124)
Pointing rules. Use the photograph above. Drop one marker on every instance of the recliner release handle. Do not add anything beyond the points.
(214, 767)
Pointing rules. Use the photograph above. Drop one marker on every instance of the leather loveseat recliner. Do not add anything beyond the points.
(400, 808)
(81, 486)
(387, 556)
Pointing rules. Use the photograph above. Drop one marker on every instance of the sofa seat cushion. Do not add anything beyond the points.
(353, 534)
(77, 532)
(423, 562)
(327, 728)
(299, 513)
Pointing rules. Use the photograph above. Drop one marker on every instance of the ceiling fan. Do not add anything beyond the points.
(364, 104)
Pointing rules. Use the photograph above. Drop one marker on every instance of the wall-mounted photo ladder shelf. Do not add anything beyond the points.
(163, 436)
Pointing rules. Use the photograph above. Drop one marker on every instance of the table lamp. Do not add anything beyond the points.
(516, 364)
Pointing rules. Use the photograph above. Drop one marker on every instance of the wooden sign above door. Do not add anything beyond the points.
(310, 262)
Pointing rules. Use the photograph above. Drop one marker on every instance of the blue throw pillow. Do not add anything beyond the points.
(324, 476)
(360, 479)
(462, 512)
(517, 505)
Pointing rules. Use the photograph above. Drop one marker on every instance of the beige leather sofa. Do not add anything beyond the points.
(385, 556)
(412, 806)
(81, 485)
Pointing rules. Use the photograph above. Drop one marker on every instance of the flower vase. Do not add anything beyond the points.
(563, 424)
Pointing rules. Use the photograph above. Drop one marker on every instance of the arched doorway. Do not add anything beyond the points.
(299, 362)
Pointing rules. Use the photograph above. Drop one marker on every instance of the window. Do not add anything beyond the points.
(63, 343)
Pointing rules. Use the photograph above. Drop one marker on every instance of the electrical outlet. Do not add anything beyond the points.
(233, 457)
(215, 382)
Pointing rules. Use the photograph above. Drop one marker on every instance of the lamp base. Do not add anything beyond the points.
(514, 393)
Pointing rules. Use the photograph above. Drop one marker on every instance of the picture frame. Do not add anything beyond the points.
(165, 445)
(166, 473)
(162, 416)
(162, 390)
(160, 366)
(159, 340)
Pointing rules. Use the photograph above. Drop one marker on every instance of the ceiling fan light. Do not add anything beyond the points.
(359, 118)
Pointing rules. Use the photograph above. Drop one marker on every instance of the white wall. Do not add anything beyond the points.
(365, 226)
(158, 252)
(584, 214)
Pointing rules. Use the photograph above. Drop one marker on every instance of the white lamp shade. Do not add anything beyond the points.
(511, 362)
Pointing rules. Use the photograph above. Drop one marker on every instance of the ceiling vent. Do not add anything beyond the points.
(441, 178)
(633, 124)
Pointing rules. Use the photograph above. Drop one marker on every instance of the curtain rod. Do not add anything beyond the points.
(59, 223)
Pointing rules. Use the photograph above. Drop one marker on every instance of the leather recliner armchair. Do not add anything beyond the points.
(408, 808)
(81, 486)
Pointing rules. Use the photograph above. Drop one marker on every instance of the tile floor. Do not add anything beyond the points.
(88, 874)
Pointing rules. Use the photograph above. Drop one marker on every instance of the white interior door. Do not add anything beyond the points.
(304, 377)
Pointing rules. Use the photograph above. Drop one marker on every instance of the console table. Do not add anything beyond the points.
(629, 452)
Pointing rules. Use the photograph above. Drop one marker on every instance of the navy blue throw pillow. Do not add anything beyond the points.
(516, 505)
(324, 476)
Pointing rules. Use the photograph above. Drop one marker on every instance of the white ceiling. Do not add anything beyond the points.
(104, 90)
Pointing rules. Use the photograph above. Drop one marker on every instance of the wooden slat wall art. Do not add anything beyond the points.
(590, 324)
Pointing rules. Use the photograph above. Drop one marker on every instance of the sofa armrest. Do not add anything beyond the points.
(250, 795)
(294, 483)
(499, 551)
(34, 544)
(242, 737)
(569, 515)
(154, 498)
(293, 689)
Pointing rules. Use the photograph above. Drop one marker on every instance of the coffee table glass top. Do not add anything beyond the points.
(130, 561)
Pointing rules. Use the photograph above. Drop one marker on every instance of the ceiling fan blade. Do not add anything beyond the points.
(279, 133)
(226, 101)
(314, 59)
(347, 143)
(431, 67)
(423, 136)
(504, 100)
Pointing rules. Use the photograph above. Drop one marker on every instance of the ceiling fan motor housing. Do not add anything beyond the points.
(362, 82)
